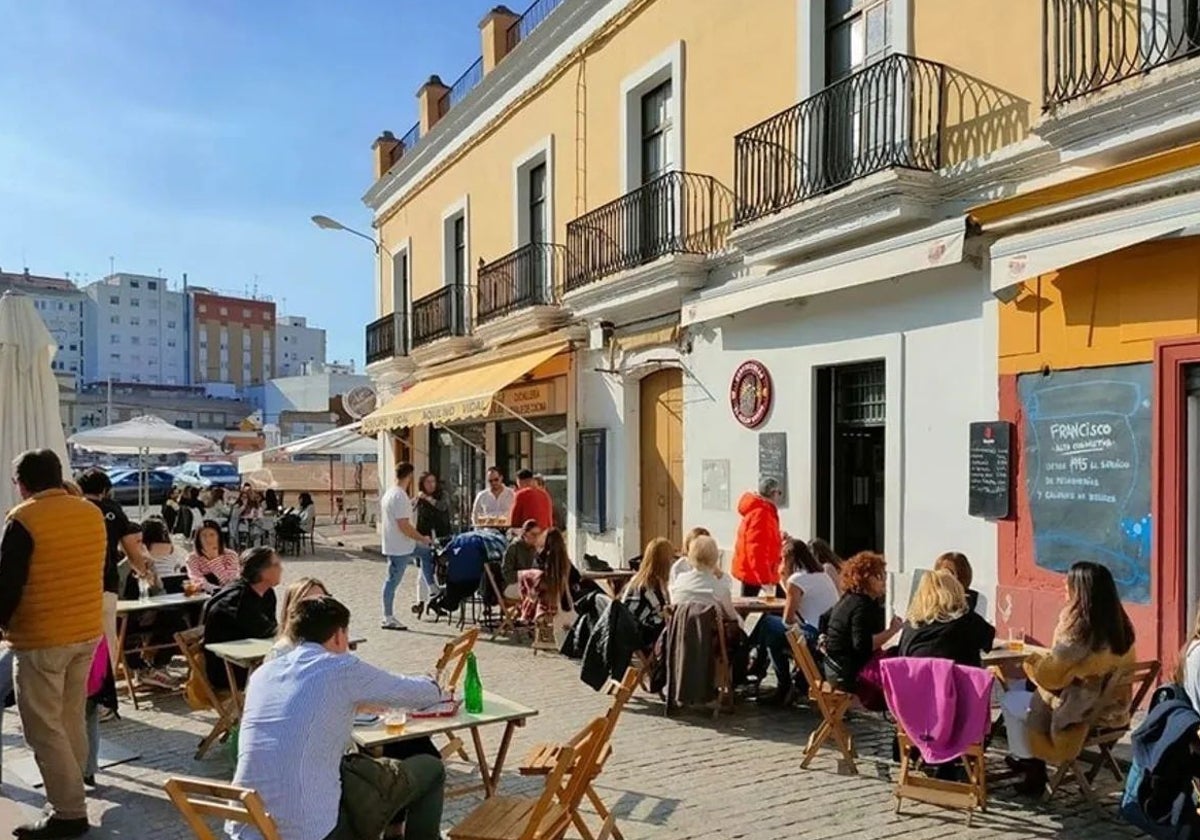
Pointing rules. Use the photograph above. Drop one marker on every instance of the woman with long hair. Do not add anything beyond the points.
(1092, 640)
(681, 565)
(303, 589)
(433, 520)
(940, 623)
(958, 565)
(809, 594)
(829, 560)
(212, 564)
(646, 595)
(858, 629)
(557, 571)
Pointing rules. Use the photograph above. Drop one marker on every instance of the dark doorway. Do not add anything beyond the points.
(458, 459)
(850, 424)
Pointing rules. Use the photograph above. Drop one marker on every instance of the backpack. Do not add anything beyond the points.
(1160, 800)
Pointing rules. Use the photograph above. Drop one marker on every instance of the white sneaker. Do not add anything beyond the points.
(390, 623)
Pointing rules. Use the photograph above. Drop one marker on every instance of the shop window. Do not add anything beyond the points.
(593, 480)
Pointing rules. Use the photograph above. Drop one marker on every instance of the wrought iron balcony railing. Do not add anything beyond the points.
(439, 315)
(1091, 44)
(529, 276)
(676, 213)
(888, 115)
(385, 338)
(529, 21)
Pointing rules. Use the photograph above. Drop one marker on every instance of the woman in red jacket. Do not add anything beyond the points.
(759, 540)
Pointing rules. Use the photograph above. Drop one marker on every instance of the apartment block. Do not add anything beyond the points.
(299, 348)
(134, 329)
(233, 339)
(61, 306)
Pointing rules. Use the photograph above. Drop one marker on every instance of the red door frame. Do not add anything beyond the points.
(1169, 493)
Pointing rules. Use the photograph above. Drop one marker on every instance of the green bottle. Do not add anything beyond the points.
(473, 687)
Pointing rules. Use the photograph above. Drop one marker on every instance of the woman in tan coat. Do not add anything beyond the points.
(1093, 640)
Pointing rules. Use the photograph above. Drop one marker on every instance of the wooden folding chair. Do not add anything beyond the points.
(967, 795)
(1116, 688)
(543, 758)
(449, 669)
(509, 609)
(831, 702)
(191, 643)
(543, 633)
(199, 798)
(549, 815)
(723, 672)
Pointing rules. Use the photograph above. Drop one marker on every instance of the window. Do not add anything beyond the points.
(202, 308)
(266, 316)
(170, 325)
(116, 357)
(135, 303)
(115, 300)
(245, 313)
(224, 311)
(656, 132)
(184, 424)
(114, 319)
(152, 361)
(170, 342)
(537, 204)
(134, 339)
(154, 322)
(70, 307)
(135, 321)
(204, 339)
(134, 284)
(114, 339)
(60, 306)
(857, 33)
(460, 251)
(152, 285)
(73, 348)
(152, 341)
(593, 480)
(74, 368)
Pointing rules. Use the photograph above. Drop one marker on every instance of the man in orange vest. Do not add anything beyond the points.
(51, 604)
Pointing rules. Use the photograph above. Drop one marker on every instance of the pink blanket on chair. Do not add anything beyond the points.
(944, 707)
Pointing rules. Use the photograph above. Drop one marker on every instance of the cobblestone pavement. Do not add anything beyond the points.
(683, 777)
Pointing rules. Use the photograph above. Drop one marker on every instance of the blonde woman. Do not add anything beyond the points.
(703, 583)
(647, 593)
(304, 589)
(941, 624)
(682, 565)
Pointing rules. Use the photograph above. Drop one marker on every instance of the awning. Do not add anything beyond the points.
(1022, 256)
(337, 442)
(936, 245)
(455, 396)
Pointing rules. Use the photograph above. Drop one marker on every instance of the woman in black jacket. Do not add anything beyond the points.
(433, 520)
(856, 630)
(941, 625)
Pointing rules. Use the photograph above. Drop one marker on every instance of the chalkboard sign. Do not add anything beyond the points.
(989, 468)
(1086, 452)
(772, 460)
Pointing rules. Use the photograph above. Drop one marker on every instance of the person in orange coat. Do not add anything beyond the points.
(759, 540)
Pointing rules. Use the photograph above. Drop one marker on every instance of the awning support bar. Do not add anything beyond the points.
(545, 437)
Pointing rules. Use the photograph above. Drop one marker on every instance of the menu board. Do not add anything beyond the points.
(990, 470)
(772, 460)
(1086, 451)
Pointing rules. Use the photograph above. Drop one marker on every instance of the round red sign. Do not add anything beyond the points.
(750, 394)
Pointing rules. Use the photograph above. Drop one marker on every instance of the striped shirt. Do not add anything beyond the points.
(225, 567)
(299, 715)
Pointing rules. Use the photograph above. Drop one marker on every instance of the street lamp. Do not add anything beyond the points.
(326, 223)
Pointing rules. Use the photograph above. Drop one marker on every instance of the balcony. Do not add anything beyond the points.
(887, 116)
(440, 325)
(1091, 44)
(385, 338)
(518, 294)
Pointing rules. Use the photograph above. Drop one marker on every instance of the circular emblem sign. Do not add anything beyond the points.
(750, 394)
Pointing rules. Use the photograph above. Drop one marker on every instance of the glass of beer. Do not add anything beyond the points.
(1016, 639)
(394, 721)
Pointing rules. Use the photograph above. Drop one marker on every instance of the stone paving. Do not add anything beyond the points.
(670, 778)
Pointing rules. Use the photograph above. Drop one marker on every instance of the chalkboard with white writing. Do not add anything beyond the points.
(989, 470)
(772, 460)
(1086, 449)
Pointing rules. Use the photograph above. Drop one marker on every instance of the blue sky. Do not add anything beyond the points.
(199, 136)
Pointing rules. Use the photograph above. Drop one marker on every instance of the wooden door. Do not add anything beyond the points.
(661, 441)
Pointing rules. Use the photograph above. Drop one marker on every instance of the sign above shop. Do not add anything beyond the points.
(751, 394)
(531, 399)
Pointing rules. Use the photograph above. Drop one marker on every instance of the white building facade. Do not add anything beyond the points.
(134, 331)
(298, 347)
(61, 306)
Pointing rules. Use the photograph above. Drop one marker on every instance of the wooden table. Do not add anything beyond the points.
(247, 654)
(127, 608)
(745, 605)
(1001, 656)
(613, 581)
(496, 710)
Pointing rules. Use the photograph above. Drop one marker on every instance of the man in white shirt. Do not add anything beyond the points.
(402, 543)
(494, 503)
(298, 719)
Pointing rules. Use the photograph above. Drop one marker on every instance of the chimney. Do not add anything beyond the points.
(429, 98)
(493, 31)
(386, 148)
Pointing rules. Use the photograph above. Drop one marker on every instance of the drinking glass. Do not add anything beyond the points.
(1016, 639)
(394, 721)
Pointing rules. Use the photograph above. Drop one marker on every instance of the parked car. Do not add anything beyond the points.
(206, 475)
(125, 486)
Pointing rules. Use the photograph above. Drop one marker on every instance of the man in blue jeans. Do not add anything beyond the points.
(402, 543)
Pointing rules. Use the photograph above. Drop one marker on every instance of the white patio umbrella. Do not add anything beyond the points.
(29, 414)
(143, 436)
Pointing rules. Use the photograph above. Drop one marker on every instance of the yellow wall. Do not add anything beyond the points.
(1106, 311)
(739, 68)
(994, 51)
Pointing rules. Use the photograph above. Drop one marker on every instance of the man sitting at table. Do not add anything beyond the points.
(245, 609)
(494, 503)
(299, 715)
